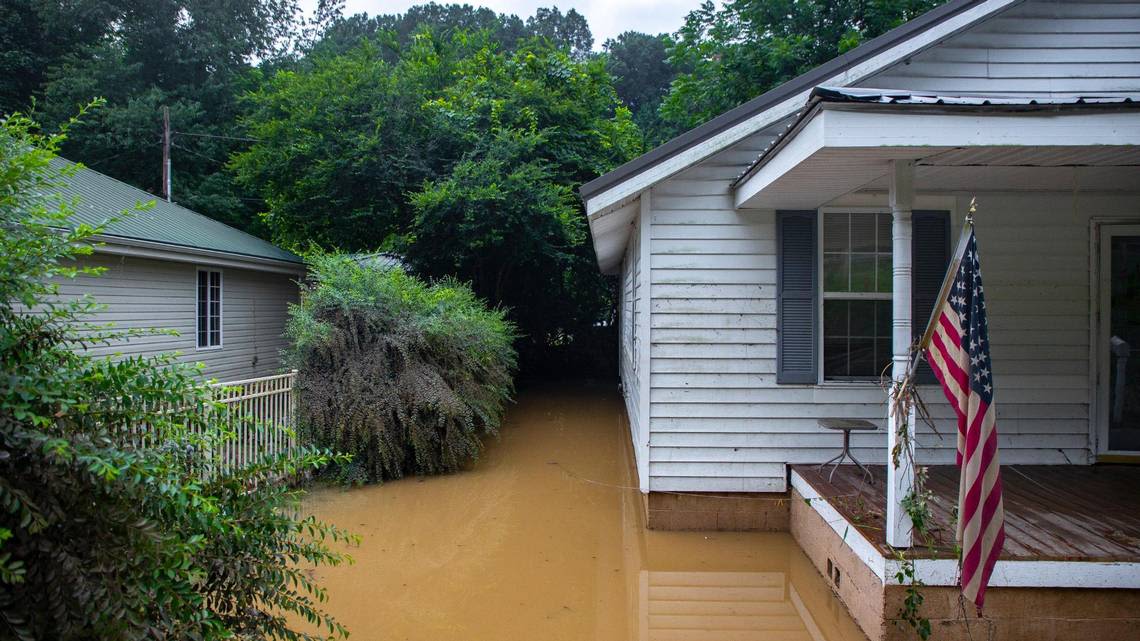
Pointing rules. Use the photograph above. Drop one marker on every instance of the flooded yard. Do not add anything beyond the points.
(543, 540)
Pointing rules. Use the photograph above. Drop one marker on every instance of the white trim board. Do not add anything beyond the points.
(944, 572)
(677, 163)
(841, 149)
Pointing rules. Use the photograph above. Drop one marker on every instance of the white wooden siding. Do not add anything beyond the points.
(1036, 47)
(633, 316)
(719, 422)
(146, 293)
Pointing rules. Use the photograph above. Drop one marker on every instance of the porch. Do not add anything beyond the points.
(1070, 567)
(1072, 513)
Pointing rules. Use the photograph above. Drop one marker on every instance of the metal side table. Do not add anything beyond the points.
(847, 425)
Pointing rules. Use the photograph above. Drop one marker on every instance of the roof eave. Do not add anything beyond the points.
(775, 96)
(138, 248)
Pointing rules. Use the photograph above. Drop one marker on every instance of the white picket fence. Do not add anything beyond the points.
(257, 415)
(262, 413)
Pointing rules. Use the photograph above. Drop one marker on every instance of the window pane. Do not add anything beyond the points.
(202, 336)
(863, 318)
(862, 232)
(215, 279)
(863, 272)
(835, 233)
(883, 355)
(834, 357)
(885, 232)
(835, 277)
(835, 317)
(886, 275)
(883, 314)
(862, 358)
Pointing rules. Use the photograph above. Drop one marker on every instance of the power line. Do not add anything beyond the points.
(241, 138)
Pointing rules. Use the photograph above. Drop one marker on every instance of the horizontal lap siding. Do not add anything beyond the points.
(144, 294)
(721, 423)
(631, 309)
(1037, 47)
(713, 332)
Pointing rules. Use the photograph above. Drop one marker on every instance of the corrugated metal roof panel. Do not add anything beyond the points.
(871, 96)
(102, 197)
(903, 97)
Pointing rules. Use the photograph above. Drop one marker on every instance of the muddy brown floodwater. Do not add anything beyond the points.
(540, 541)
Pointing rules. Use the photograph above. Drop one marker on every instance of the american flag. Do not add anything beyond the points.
(959, 354)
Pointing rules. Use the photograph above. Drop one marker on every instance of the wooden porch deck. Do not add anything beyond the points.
(1053, 513)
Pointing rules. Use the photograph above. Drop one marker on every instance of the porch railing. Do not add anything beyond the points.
(262, 413)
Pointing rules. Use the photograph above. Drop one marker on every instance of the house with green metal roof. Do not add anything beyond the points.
(225, 292)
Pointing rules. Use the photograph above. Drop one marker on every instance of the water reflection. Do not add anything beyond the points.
(540, 541)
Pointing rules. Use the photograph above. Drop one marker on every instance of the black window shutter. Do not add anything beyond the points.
(796, 310)
(930, 255)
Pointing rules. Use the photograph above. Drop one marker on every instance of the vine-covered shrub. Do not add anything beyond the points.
(102, 537)
(403, 375)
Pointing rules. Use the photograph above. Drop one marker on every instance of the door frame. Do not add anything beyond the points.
(1101, 239)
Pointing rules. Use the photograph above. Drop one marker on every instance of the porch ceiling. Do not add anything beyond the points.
(837, 149)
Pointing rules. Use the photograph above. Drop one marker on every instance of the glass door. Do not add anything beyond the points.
(1119, 340)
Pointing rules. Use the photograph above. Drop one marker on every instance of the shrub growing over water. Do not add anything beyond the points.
(405, 376)
(100, 537)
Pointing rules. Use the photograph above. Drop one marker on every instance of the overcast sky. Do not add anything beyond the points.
(607, 18)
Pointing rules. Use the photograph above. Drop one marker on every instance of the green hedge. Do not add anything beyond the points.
(403, 375)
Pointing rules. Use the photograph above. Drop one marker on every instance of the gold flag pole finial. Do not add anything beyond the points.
(973, 210)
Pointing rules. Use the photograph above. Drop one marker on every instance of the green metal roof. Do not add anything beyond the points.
(101, 197)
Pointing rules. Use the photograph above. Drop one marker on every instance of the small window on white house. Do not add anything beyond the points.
(856, 295)
(209, 308)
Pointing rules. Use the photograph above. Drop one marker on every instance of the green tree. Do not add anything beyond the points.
(340, 144)
(639, 63)
(101, 537)
(356, 153)
(194, 56)
(738, 51)
(568, 31)
(35, 36)
(393, 33)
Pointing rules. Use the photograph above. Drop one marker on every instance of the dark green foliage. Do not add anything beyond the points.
(393, 33)
(460, 156)
(642, 73)
(101, 538)
(568, 31)
(405, 376)
(729, 54)
(194, 56)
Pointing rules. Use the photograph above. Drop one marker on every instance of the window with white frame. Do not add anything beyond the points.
(209, 308)
(857, 273)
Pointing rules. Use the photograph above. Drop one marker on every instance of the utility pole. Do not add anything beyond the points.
(166, 181)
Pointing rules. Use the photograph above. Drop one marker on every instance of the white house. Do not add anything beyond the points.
(224, 291)
(776, 259)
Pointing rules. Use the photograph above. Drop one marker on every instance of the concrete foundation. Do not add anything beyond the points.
(756, 512)
(1011, 614)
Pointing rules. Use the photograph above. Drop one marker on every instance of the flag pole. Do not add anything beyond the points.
(947, 282)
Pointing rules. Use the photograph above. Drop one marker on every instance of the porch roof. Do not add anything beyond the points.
(846, 139)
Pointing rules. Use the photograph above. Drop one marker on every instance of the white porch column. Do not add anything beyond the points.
(900, 480)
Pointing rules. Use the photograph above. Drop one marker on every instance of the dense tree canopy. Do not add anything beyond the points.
(642, 73)
(459, 155)
(452, 133)
(729, 54)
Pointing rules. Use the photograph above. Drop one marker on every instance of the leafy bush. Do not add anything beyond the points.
(101, 538)
(403, 375)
